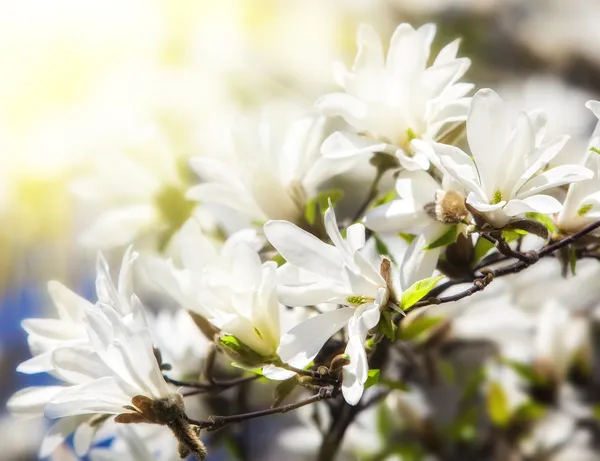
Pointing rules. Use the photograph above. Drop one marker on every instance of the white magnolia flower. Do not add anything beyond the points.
(186, 355)
(582, 203)
(505, 175)
(105, 375)
(274, 167)
(391, 101)
(315, 273)
(560, 335)
(231, 288)
(46, 334)
(424, 208)
(139, 190)
(139, 443)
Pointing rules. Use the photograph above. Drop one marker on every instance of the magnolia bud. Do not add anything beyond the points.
(240, 353)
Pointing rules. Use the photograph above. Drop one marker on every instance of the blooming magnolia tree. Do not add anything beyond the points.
(366, 305)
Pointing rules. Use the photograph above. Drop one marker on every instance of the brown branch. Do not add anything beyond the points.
(480, 282)
(217, 422)
(214, 386)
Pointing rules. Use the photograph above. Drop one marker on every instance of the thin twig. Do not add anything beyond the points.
(217, 422)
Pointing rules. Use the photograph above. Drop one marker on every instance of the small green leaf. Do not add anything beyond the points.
(448, 238)
(373, 378)
(572, 260)
(417, 327)
(447, 371)
(497, 405)
(543, 219)
(280, 260)
(396, 385)
(387, 326)
(416, 291)
(385, 198)
(584, 209)
(408, 238)
(381, 247)
(595, 149)
(319, 203)
(283, 390)
(482, 248)
(525, 371)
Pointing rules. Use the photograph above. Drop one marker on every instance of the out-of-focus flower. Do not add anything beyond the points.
(502, 176)
(233, 291)
(274, 168)
(582, 203)
(139, 443)
(46, 335)
(316, 272)
(391, 102)
(115, 373)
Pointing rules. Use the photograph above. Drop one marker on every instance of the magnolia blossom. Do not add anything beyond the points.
(231, 288)
(138, 188)
(100, 375)
(391, 101)
(505, 175)
(424, 208)
(582, 203)
(273, 168)
(317, 272)
(139, 443)
(560, 335)
(45, 335)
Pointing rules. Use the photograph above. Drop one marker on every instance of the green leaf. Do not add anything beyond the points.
(387, 326)
(572, 260)
(283, 389)
(408, 238)
(464, 428)
(373, 378)
(382, 248)
(482, 248)
(416, 291)
(417, 327)
(280, 260)
(525, 371)
(396, 385)
(595, 149)
(512, 235)
(319, 203)
(447, 371)
(543, 219)
(448, 238)
(385, 198)
(497, 405)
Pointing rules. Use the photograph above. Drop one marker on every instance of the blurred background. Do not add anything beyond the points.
(102, 102)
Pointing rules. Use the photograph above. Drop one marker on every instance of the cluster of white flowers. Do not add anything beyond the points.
(300, 292)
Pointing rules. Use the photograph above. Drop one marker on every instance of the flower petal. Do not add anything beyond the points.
(302, 343)
(544, 204)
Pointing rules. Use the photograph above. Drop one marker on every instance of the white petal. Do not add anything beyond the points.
(488, 131)
(412, 163)
(70, 305)
(594, 106)
(396, 216)
(352, 109)
(558, 176)
(302, 343)
(418, 264)
(370, 50)
(99, 396)
(120, 227)
(304, 250)
(31, 401)
(58, 433)
(276, 374)
(342, 145)
(544, 204)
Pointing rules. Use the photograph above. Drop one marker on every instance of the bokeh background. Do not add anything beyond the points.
(101, 102)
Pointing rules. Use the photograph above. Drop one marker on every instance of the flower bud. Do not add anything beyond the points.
(240, 353)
